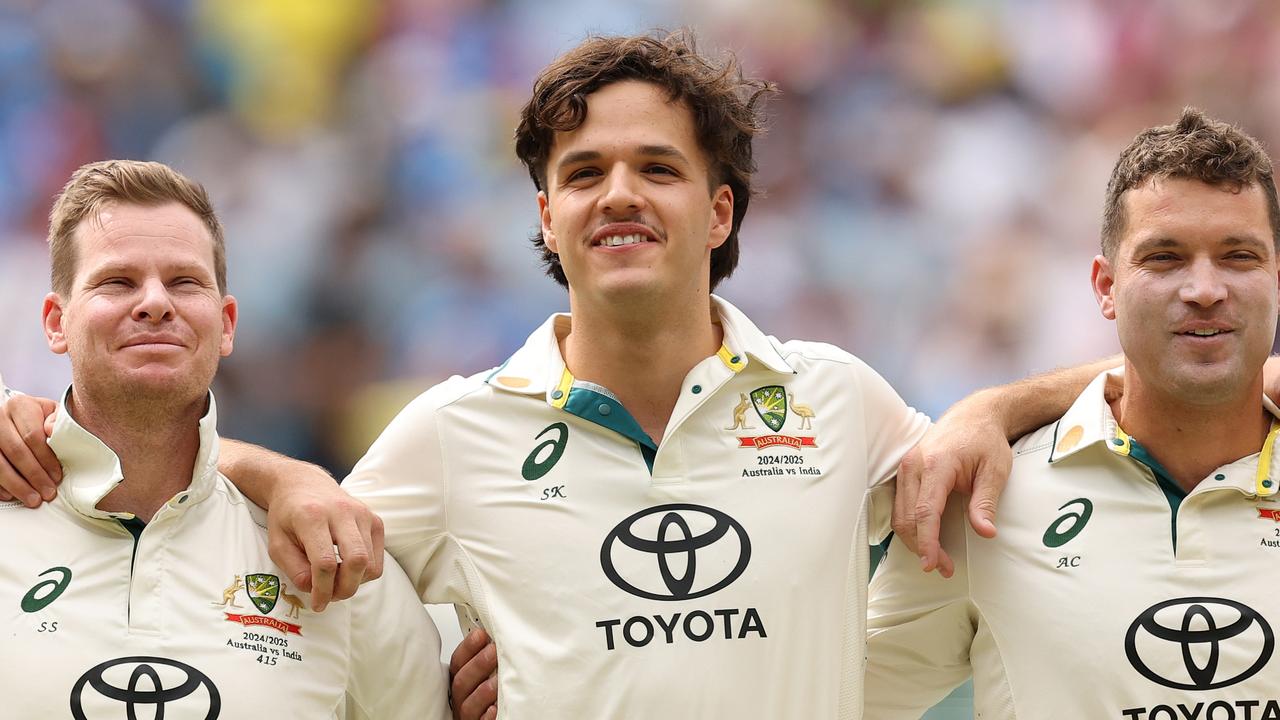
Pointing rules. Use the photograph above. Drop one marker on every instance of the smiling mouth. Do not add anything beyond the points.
(1204, 333)
(622, 240)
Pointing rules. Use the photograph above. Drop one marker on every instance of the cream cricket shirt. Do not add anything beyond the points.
(191, 619)
(1106, 595)
(720, 574)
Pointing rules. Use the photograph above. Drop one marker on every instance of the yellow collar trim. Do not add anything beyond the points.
(734, 362)
(560, 395)
(1125, 446)
(1264, 463)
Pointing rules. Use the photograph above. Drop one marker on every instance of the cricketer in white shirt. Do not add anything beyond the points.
(719, 574)
(1109, 592)
(187, 616)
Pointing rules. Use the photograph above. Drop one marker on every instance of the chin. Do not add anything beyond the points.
(1210, 385)
(629, 287)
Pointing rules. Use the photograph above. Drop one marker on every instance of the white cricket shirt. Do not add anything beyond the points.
(191, 619)
(719, 574)
(1107, 594)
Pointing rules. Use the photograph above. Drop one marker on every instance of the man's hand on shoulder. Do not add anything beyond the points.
(473, 678)
(326, 541)
(967, 451)
(29, 470)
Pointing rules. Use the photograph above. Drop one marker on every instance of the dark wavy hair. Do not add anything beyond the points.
(726, 105)
(1197, 147)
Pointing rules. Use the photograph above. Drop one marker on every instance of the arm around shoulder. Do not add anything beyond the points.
(326, 541)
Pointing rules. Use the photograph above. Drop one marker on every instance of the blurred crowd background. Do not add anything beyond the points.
(933, 178)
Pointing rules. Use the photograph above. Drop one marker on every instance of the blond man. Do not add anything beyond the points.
(146, 585)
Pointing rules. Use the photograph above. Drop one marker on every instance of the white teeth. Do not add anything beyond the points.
(1205, 333)
(617, 240)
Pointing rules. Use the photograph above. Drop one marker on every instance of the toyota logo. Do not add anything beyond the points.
(1222, 642)
(145, 685)
(675, 552)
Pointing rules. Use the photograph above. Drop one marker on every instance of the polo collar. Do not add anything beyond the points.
(90, 469)
(538, 368)
(1090, 422)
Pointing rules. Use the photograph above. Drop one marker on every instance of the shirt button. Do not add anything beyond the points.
(1117, 441)
(735, 359)
(557, 395)
(1267, 483)
(696, 389)
(604, 409)
(1219, 476)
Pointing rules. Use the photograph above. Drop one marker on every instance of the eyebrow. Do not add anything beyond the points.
(194, 270)
(1167, 242)
(655, 151)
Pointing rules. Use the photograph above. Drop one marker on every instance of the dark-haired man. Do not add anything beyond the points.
(656, 509)
(1129, 579)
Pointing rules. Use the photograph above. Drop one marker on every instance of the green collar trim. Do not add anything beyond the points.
(604, 410)
(1173, 492)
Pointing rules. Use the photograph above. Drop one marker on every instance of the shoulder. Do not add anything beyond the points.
(423, 410)
(247, 514)
(809, 353)
(1036, 444)
(453, 390)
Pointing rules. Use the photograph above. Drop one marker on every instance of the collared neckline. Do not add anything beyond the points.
(1090, 422)
(538, 368)
(91, 470)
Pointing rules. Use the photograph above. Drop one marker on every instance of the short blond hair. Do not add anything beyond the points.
(149, 184)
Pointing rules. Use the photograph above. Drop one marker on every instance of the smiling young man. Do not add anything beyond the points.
(1130, 577)
(146, 583)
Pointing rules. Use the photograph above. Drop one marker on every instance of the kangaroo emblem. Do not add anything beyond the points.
(804, 412)
(740, 414)
(229, 595)
(295, 604)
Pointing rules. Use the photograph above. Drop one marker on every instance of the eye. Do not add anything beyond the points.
(1161, 257)
(582, 174)
(660, 170)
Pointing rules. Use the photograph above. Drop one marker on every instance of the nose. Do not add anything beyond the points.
(1204, 284)
(154, 302)
(621, 194)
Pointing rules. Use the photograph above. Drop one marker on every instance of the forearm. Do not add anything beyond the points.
(258, 471)
(1025, 405)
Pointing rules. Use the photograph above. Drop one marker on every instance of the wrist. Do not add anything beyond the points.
(989, 406)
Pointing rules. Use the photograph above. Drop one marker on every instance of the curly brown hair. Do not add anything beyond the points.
(727, 112)
(1197, 147)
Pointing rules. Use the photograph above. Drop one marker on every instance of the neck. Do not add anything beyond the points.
(642, 357)
(1191, 441)
(157, 443)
